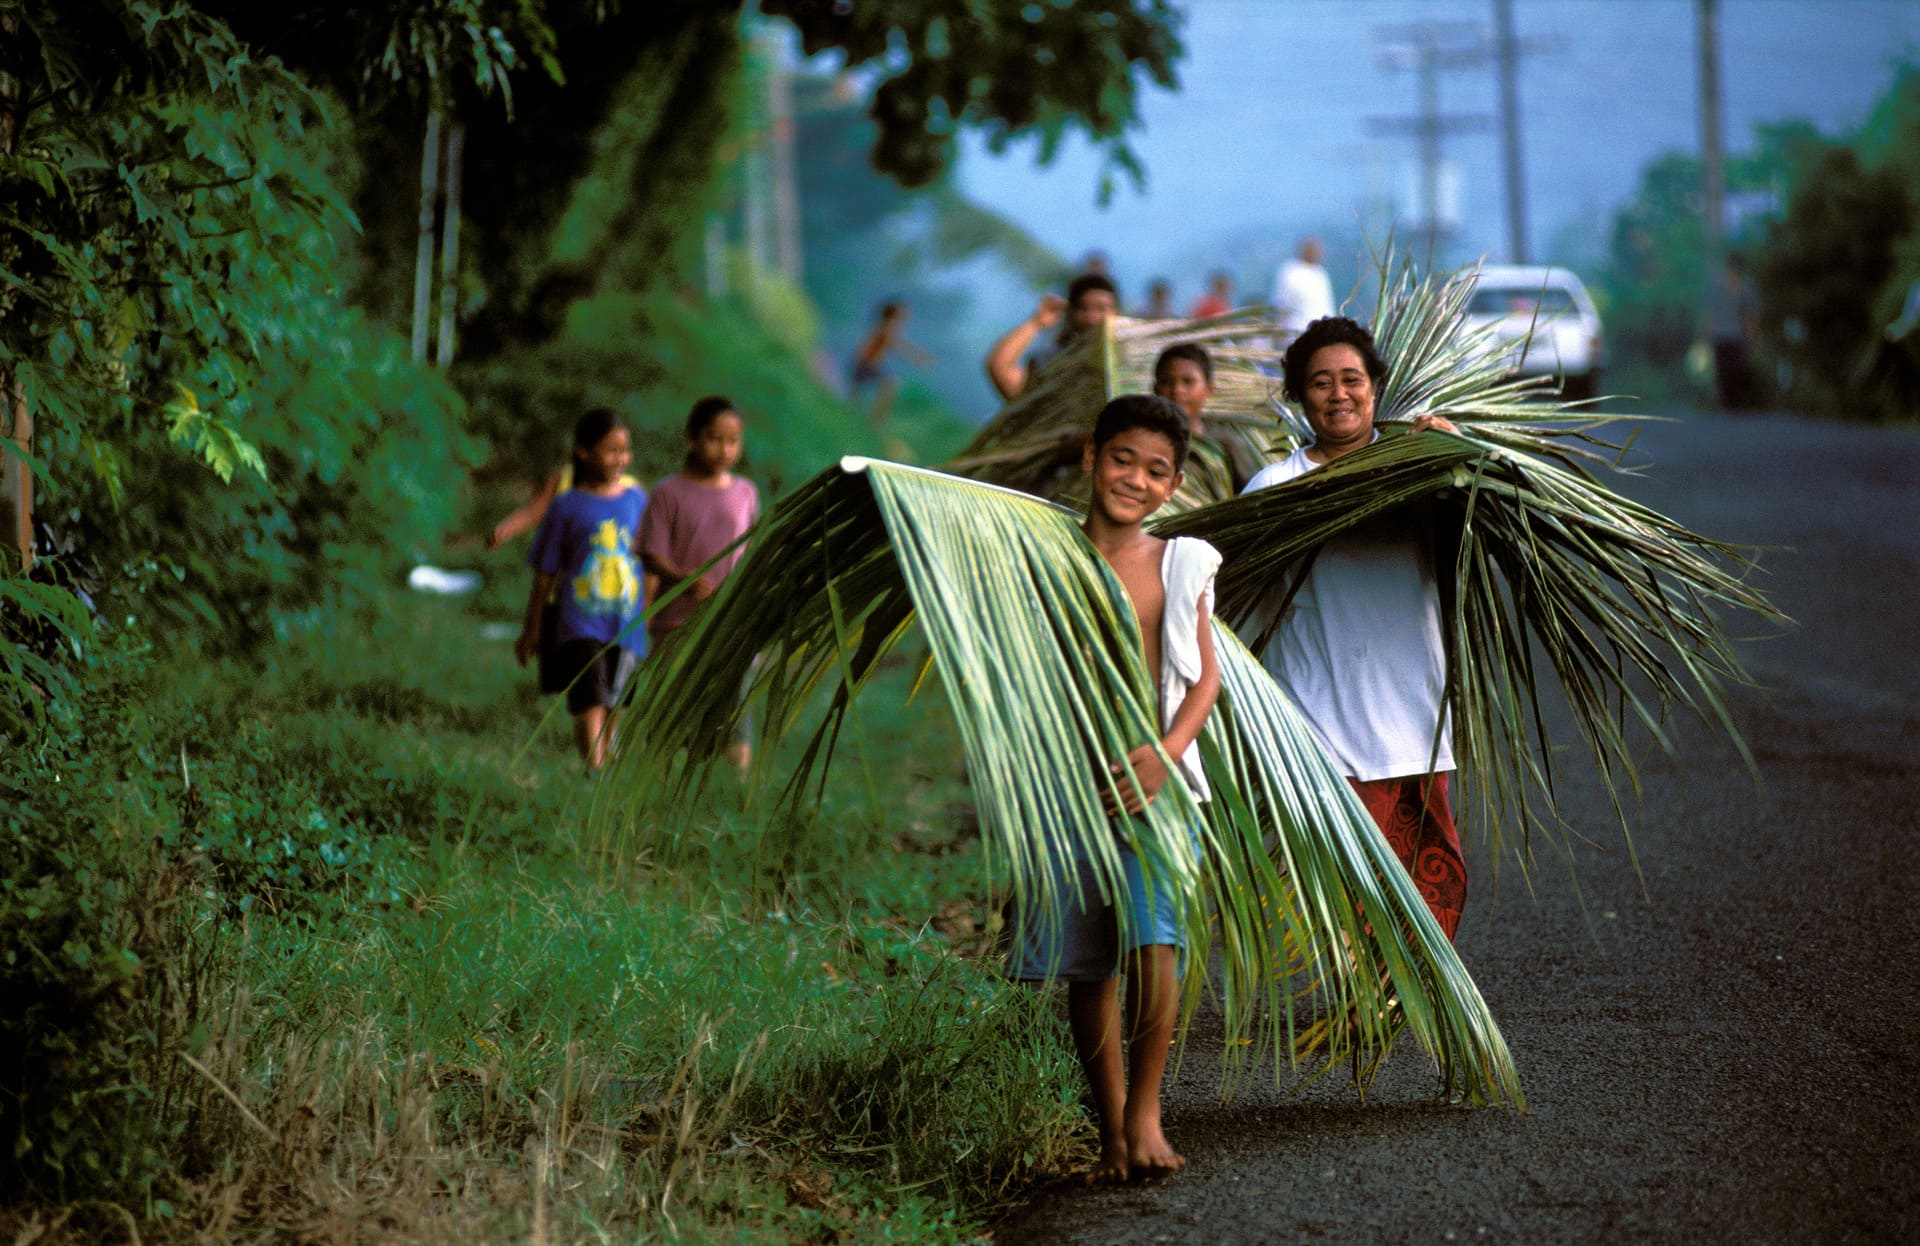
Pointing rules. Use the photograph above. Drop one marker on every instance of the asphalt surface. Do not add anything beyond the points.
(1729, 1053)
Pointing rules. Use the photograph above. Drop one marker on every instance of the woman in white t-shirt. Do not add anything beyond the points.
(1359, 645)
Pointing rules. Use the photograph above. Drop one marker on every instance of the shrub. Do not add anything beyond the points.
(94, 939)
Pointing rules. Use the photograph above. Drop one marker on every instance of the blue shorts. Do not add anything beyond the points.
(1081, 941)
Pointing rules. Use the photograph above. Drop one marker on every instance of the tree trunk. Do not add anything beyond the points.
(450, 250)
(16, 480)
(423, 257)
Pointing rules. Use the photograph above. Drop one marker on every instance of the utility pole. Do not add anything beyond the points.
(1428, 48)
(1509, 53)
(1712, 174)
(1423, 47)
(783, 163)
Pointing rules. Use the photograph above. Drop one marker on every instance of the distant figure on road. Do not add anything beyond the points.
(1358, 644)
(1218, 300)
(1090, 303)
(1731, 314)
(1159, 304)
(1302, 292)
(888, 336)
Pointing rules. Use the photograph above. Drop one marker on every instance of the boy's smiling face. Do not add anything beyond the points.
(1133, 475)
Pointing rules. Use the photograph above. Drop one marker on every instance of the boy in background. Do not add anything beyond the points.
(870, 372)
(1091, 301)
(1184, 375)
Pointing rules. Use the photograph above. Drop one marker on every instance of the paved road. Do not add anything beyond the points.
(1732, 1055)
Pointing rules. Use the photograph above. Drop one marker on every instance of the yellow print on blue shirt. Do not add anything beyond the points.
(609, 581)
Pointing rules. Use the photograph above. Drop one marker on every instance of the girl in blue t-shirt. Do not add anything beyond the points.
(585, 549)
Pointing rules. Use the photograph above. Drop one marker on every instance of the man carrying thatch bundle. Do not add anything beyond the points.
(1357, 640)
(1091, 301)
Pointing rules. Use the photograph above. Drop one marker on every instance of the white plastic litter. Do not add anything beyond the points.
(427, 579)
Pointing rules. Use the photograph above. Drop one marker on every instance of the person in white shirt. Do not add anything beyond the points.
(1358, 645)
(1302, 291)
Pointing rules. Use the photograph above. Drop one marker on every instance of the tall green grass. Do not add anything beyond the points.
(386, 994)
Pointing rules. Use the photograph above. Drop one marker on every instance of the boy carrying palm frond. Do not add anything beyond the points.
(1134, 463)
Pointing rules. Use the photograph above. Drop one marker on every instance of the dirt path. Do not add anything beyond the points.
(1732, 1056)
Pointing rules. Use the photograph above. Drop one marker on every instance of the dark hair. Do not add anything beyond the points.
(1329, 331)
(1085, 284)
(1192, 352)
(706, 411)
(892, 307)
(591, 427)
(1148, 411)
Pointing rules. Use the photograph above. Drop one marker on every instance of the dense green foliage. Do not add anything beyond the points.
(281, 890)
(1836, 268)
(173, 223)
(339, 889)
(1009, 67)
(1829, 229)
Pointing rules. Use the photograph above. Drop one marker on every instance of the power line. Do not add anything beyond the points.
(1428, 48)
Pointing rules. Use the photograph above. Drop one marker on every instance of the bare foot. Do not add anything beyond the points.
(1112, 1168)
(1151, 1155)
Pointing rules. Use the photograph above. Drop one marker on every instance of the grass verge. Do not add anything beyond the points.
(380, 993)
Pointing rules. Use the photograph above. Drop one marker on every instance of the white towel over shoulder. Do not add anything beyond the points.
(1186, 573)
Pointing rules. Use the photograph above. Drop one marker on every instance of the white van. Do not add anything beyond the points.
(1552, 305)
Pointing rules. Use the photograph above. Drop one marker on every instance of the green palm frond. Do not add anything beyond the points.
(1033, 444)
(1037, 648)
(1622, 601)
(1438, 364)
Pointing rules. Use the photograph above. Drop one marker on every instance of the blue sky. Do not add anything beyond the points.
(1267, 136)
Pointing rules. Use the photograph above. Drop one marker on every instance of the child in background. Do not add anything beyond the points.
(1134, 459)
(695, 513)
(1159, 304)
(888, 336)
(527, 516)
(1184, 375)
(1224, 461)
(586, 546)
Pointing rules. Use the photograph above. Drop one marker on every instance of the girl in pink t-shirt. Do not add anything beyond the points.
(694, 514)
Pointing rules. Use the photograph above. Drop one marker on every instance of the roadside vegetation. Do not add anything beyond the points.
(298, 935)
(326, 959)
(1827, 227)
